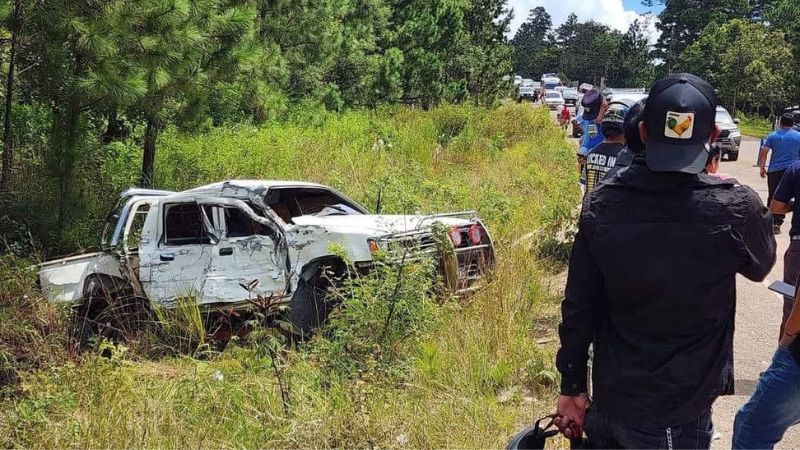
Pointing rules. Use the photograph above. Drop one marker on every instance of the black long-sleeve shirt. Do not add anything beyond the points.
(652, 284)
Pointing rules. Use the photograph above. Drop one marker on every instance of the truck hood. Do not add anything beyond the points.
(727, 126)
(378, 224)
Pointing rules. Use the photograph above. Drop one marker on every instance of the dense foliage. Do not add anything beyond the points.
(81, 75)
(746, 48)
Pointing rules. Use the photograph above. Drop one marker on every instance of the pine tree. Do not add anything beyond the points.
(182, 48)
(531, 44)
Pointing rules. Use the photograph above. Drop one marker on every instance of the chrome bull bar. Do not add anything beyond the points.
(462, 267)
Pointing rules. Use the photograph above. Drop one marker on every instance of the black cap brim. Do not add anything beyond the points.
(662, 157)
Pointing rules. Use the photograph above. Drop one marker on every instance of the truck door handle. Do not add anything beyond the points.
(225, 251)
(167, 257)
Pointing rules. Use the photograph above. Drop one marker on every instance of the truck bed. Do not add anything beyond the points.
(62, 280)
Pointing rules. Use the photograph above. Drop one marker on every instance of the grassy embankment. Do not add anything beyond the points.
(754, 125)
(441, 373)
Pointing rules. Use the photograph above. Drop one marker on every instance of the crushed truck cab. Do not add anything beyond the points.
(206, 243)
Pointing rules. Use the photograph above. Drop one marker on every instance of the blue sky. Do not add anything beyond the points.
(614, 13)
(636, 5)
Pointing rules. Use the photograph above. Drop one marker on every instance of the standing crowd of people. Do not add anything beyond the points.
(651, 286)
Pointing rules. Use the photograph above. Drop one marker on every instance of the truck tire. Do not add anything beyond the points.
(308, 308)
(109, 309)
(311, 303)
(733, 156)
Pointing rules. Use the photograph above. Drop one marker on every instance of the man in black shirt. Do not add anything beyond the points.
(652, 283)
(603, 158)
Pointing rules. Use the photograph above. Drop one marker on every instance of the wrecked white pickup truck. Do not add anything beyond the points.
(207, 242)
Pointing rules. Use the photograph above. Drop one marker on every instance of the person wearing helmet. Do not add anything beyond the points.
(662, 334)
(603, 157)
(633, 141)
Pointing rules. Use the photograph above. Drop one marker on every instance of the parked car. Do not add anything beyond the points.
(550, 81)
(794, 111)
(729, 137)
(286, 240)
(526, 93)
(553, 99)
(527, 90)
(571, 96)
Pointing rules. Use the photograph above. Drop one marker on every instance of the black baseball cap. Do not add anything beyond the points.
(679, 117)
(591, 103)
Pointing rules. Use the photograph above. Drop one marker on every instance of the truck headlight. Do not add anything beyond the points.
(735, 134)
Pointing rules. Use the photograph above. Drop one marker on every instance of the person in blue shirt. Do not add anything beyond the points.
(784, 144)
(593, 104)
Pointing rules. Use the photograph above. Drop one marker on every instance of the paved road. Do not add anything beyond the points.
(757, 316)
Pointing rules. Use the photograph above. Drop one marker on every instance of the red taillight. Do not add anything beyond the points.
(475, 234)
(455, 236)
(373, 246)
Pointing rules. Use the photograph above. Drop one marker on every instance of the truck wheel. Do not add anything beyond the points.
(308, 308)
(733, 156)
(109, 309)
(85, 319)
(311, 303)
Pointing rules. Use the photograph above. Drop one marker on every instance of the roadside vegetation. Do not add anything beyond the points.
(754, 125)
(398, 365)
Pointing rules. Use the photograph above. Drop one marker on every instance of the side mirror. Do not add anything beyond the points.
(736, 121)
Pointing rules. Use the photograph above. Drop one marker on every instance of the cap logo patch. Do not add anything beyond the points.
(679, 125)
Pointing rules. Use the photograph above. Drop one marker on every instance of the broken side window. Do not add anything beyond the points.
(134, 235)
(239, 224)
(183, 225)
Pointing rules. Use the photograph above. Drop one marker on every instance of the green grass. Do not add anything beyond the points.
(754, 125)
(448, 372)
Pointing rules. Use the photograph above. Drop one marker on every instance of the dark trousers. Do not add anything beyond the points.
(604, 431)
(791, 270)
(773, 180)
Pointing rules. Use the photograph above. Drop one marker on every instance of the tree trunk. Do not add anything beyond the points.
(8, 132)
(149, 155)
(66, 132)
(114, 128)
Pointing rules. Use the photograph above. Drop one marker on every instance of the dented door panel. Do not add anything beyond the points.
(177, 265)
(246, 252)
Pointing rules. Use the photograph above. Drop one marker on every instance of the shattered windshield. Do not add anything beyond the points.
(289, 203)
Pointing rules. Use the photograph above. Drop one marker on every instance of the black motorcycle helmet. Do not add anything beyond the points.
(613, 122)
(534, 437)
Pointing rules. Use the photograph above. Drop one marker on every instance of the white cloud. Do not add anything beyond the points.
(608, 12)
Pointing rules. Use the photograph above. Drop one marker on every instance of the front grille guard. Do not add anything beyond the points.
(461, 268)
